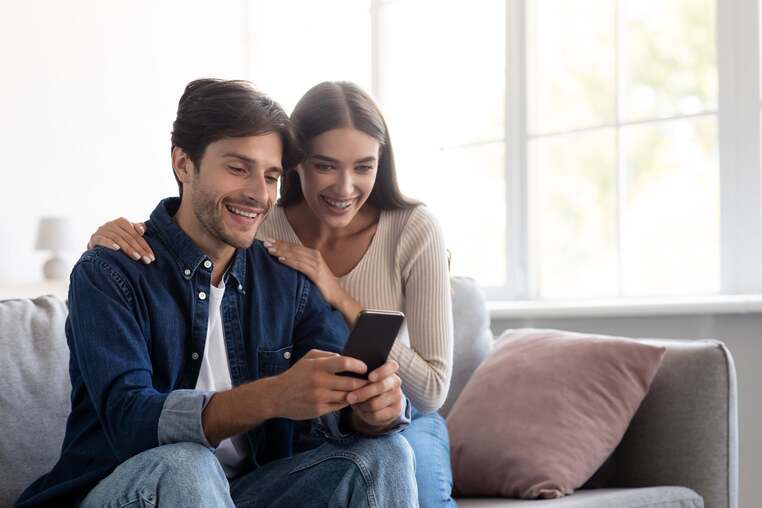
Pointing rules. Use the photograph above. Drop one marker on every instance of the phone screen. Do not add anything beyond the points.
(372, 338)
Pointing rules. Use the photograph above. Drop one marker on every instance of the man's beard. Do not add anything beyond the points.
(209, 217)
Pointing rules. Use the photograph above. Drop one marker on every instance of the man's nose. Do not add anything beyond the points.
(256, 190)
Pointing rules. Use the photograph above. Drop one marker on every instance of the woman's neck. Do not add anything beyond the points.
(316, 234)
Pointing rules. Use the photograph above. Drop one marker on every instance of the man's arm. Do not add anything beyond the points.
(111, 350)
(309, 389)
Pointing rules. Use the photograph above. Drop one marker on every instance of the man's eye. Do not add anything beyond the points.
(236, 169)
(271, 179)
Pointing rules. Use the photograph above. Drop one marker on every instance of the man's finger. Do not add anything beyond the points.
(317, 353)
(373, 389)
(388, 369)
(344, 364)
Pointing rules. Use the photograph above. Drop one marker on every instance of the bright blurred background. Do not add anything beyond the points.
(571, 149)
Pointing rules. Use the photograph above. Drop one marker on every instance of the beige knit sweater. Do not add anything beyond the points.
(404, 269)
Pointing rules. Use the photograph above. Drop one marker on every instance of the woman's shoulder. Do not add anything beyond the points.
(414, 221)
(276, 225)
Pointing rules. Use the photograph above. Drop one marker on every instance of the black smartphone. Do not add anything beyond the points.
(372, 338)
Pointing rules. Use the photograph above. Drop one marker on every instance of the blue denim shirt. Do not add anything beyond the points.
(136, 336)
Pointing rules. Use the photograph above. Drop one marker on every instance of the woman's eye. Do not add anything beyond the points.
(364, 169)
(323, 166)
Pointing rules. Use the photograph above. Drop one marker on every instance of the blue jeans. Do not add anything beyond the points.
(352, 472)
(427, 435)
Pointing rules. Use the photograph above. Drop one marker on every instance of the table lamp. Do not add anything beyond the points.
(56, 235)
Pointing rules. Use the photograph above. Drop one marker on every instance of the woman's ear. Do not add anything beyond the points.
(182, 165)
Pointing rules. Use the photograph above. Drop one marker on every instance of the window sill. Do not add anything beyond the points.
(622, 307)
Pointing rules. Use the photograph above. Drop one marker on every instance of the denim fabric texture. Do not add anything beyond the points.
(430, 442)
(136, 336)
(350, 472)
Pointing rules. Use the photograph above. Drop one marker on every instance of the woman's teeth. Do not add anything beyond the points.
(242, 213)
(338, 204)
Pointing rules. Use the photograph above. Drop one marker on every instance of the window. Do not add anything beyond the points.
(570, 149)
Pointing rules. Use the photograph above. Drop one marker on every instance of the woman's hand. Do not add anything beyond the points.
(311, 263)
(121, 234)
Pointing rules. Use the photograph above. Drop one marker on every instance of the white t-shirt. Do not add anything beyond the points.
(215, 375)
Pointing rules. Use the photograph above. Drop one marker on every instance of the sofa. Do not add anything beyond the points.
(681, 449)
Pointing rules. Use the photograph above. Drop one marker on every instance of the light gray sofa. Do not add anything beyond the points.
(681, 446)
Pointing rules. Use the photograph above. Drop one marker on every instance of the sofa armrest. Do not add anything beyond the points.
(686, 430)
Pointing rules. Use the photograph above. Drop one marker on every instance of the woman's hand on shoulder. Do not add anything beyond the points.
(311, 263)
(121, 234)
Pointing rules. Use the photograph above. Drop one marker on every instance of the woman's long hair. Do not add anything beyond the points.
(341, 104)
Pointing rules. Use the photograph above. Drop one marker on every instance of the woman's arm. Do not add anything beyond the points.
(121, 234)
(311, 263)
(425, 366)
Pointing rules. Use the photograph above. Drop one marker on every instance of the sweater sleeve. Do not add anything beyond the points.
(425, 366)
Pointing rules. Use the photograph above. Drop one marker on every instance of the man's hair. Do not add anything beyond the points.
(214, 109)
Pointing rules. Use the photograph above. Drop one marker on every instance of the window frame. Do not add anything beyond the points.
(739, 108)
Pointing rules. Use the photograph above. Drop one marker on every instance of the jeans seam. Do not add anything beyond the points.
(357, 461)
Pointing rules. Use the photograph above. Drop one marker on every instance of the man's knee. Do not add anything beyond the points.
(392, 452)
(189, 465)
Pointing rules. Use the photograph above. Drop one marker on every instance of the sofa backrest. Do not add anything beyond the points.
(472, 334)
(34, 399)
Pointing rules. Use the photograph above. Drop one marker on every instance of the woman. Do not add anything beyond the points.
(343, 222)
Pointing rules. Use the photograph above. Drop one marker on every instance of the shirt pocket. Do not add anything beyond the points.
(272, 363)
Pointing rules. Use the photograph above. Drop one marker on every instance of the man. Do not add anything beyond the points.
(188, 374)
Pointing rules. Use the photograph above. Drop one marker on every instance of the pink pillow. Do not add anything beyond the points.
(545, 410)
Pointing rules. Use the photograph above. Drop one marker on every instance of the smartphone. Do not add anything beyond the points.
(372, 338)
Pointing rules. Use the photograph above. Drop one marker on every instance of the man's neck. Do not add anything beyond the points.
(219, 252)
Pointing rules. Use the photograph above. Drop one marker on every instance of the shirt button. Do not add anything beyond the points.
(207, 264)
(187, 272)
(194, 356)
(287, 355)
(202, 296)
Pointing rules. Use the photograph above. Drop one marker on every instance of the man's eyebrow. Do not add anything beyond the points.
(249, 160)
(241, 157)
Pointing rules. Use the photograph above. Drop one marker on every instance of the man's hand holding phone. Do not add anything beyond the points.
(311, 388)
(378, 404)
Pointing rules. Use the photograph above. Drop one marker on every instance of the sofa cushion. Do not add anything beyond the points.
(472, 335)
(34, 401)
(545, 410)
(651, 497)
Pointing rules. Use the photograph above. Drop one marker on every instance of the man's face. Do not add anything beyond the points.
(234, 188)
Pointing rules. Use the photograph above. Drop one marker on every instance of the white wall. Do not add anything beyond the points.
(88, 92)
(742, 333)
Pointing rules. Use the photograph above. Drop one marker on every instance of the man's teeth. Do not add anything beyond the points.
(338, 204)
(243, 213)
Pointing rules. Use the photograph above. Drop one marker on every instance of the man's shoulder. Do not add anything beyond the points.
(103, 265)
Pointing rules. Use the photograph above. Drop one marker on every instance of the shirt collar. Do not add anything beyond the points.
(187, 254)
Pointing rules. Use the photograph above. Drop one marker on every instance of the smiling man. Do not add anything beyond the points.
(189, 373)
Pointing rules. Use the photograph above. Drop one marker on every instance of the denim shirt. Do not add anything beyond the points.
(136, 336)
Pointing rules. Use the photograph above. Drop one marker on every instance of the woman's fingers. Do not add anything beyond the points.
(136, 246)
(101, 240)
(140, 229)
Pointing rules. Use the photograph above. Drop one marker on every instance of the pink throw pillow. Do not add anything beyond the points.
(545, 410)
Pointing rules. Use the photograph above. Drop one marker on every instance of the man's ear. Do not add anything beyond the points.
(182, 165)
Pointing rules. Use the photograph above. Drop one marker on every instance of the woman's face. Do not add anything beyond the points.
(338, 174)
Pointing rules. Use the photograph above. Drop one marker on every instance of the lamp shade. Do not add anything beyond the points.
(55, 234)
